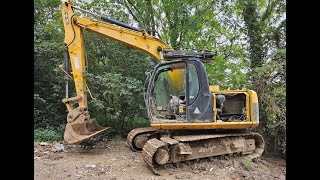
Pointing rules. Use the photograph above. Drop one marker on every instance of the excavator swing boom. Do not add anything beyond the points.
(80, 126)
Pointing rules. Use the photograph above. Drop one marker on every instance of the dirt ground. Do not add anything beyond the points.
(113, 160)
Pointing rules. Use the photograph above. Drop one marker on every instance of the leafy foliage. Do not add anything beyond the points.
(273, 95)
(119, 98)
(48, 84)
(48, 134)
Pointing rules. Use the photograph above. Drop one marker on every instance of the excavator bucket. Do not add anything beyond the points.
(80, 127)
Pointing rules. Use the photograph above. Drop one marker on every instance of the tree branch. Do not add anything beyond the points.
(133, 6)
(130, 11)
(152, 24)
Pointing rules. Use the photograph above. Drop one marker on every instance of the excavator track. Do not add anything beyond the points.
(149, 150)
(167, 150)
(137, 137)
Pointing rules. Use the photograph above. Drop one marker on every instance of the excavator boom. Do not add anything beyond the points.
(80, 126)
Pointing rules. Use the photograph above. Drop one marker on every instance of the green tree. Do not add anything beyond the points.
(265, 25)
(48, 88)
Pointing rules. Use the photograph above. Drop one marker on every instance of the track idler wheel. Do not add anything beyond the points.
(162, 156)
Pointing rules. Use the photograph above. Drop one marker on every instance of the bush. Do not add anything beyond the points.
(272, 87)
(50, 134)
(137, 122)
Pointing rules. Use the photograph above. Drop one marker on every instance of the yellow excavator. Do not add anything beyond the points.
(188, 118)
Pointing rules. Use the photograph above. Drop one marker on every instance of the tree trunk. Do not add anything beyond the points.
(151, 15)
(254, 32)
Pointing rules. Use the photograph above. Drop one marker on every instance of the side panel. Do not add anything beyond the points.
(254, 107)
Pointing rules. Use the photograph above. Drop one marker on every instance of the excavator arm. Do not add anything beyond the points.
(80, 126)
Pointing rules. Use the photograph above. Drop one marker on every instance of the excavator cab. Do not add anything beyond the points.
(179, 92)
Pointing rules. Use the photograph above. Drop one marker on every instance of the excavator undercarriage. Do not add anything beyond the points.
(166, 147)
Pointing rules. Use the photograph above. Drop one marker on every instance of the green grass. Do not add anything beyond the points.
(247, 165)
